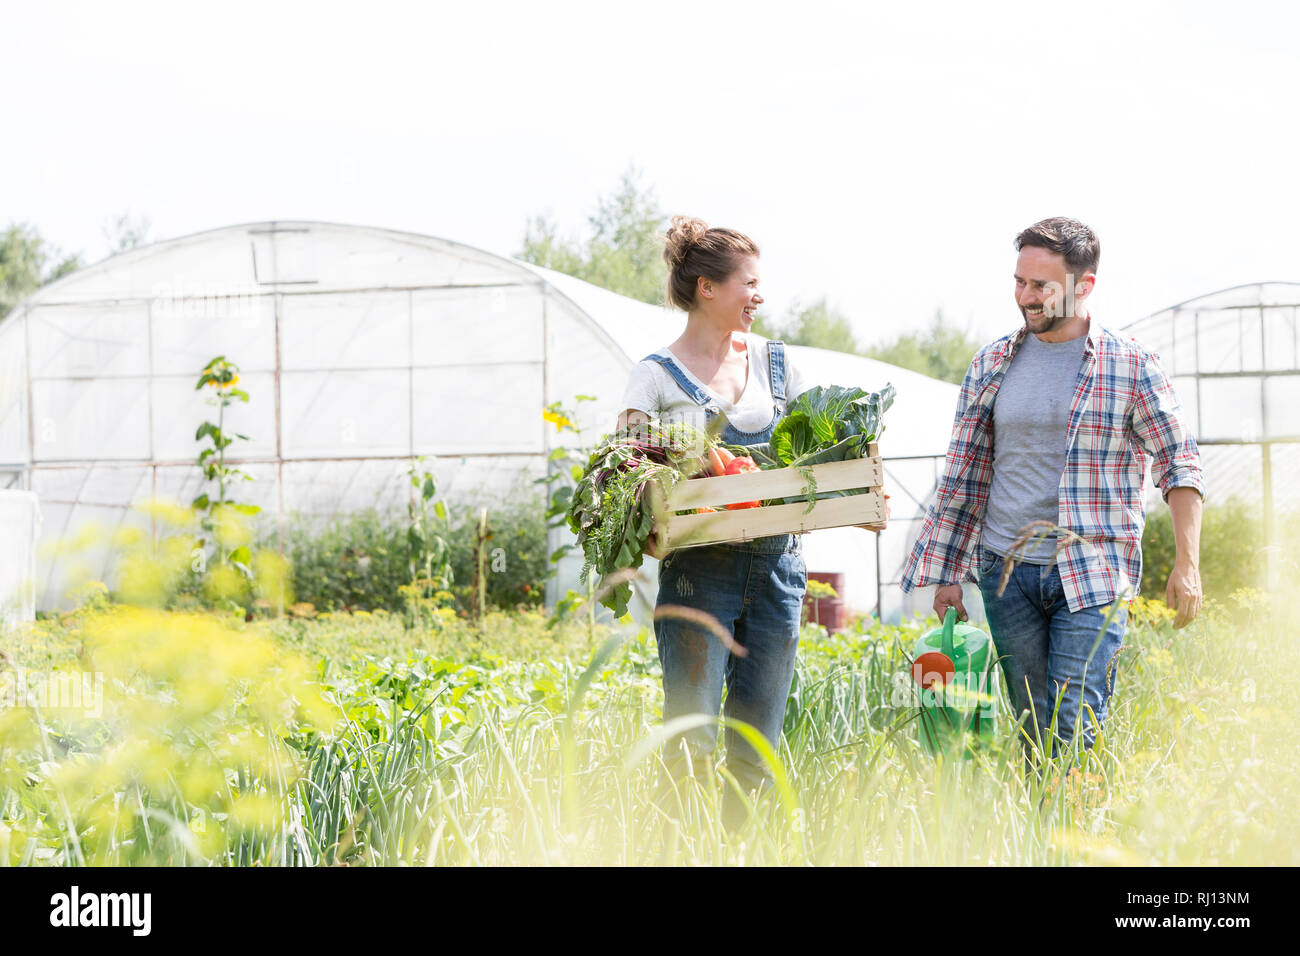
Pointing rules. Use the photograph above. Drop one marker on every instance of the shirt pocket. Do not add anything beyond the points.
(1104, 425)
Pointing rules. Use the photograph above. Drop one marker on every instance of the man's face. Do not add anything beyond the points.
(1048, 296)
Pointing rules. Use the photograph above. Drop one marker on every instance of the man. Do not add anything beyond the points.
(1054, 426)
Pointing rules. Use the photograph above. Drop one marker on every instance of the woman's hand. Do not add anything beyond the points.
(630, 418)
(652, 546)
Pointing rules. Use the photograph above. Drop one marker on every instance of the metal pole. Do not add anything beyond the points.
(1266, 473)
(481, 565)
(880, 585)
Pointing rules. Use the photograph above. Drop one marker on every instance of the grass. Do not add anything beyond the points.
(349, 739)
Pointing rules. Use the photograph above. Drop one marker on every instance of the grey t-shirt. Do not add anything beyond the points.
(1031, 416)
(652, 390)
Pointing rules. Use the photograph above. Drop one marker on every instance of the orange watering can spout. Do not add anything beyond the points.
(937, 666)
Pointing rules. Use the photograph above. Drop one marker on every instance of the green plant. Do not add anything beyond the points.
(516, 561)
(564, 470)
(613, 509)
(564, 466)
(1232, 549)
(362, 560)
(428, 555)
(816, 591)
(226, 537)
(828, 424)
(351, 739)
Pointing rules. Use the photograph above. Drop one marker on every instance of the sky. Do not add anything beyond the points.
(883, 156)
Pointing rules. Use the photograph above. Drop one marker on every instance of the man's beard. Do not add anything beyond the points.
(1048, 322)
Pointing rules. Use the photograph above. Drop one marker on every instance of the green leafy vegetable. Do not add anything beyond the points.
(612, 509)
(830, 424)
(825, 424)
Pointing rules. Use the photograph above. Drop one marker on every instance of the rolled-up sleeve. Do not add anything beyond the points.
(1161, 427)
(942, 552)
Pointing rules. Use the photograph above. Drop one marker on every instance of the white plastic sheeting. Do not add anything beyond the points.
(20, 520)
(1234, 359)
(360, 348)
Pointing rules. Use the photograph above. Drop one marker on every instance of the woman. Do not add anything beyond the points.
(755, 588)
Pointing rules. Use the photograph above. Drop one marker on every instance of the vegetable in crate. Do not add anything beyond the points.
(825, 424)
(611, 511)
(830, 424)
(739, 466)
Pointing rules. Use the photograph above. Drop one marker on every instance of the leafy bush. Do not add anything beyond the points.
(1232, 548)
(516, 559)
(357, 561)
(361, 561)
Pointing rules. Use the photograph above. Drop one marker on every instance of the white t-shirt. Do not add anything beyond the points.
(651, 389)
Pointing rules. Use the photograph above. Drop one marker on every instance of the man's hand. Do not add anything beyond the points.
(1183, 593)
(946, 596)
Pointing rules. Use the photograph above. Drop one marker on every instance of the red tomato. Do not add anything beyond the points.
(739, 466)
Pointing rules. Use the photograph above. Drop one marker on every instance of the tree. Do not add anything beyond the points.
(28, 262)
(624, 250)
(125, 231)
(942, 351)
(817, 325)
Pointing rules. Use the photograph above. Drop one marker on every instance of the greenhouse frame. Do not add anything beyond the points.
(1234, 359)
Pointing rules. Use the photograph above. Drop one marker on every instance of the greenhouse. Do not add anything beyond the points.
(1234, 359)
(360, 349)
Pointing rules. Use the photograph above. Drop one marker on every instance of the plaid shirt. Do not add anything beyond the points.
(1123, 411)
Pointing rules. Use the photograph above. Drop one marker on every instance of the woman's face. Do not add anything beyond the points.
(734, 301)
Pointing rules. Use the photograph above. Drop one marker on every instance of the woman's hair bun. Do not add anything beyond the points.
(693, 250)
(683, 232)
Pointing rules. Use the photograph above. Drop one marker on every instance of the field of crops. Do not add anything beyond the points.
(353, 739)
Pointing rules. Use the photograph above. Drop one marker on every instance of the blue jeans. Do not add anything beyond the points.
(1046, 649)
(755, 591)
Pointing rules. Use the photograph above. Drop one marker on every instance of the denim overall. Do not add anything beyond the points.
(755, 590)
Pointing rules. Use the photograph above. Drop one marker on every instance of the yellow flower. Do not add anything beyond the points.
(556, 419)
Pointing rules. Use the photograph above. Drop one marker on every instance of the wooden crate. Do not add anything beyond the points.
(692, 530)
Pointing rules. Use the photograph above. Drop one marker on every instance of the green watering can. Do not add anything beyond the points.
(953, 666)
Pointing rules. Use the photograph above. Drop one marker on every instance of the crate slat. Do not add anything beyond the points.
(777, 483)
(686, 531)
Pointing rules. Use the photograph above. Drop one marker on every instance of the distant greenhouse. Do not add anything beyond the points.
(360, 348)
(1234, 357)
